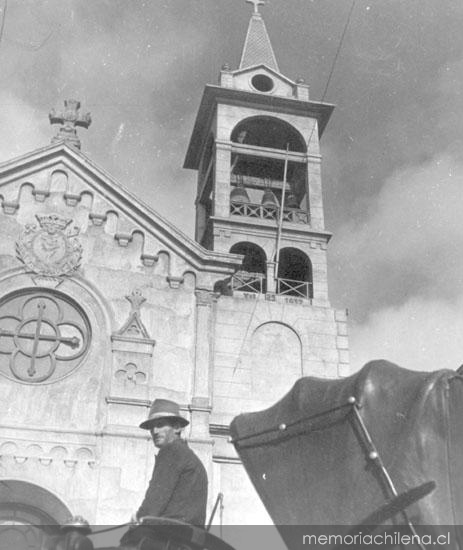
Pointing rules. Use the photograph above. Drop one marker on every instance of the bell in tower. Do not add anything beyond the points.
(255, 145)
(269, 199)
(239, 195)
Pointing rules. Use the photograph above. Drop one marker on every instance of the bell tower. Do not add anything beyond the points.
(255, 145)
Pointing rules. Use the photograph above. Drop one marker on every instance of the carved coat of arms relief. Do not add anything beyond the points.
(51, 249)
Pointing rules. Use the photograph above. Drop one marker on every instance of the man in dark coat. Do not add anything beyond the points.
(178, 487)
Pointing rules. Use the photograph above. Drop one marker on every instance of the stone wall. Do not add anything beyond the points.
(156, 328)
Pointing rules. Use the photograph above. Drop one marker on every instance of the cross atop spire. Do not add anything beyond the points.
(257, 48)
(256, 4)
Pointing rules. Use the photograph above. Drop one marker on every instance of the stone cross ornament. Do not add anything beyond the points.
(70, 118)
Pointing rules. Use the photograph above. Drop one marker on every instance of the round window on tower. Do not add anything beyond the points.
(262, 83)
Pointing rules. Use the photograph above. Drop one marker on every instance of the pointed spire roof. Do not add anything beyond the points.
(257, 48)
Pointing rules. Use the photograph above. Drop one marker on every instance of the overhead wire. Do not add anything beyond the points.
(333, 64)
(335, 59)
(341, 41)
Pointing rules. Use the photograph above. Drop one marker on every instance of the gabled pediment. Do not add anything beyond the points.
(263, 79)
(61, 179)
(266, 69)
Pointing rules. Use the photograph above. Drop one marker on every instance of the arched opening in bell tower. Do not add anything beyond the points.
(261, 147)
(269, 132)
(294, 273)
(252, 275)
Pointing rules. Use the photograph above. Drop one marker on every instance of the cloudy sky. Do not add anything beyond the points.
(393, 151)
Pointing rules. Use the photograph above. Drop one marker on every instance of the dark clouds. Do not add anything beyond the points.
(392, 151)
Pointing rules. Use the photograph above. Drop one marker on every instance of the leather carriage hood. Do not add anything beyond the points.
(309, 465)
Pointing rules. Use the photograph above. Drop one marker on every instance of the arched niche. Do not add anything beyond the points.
(295, 273)
(258, 165)
(269, 132)
(252, 275)
(275, 360)
(59, 181)
(28, 515)
(254, 256)
(25, 503)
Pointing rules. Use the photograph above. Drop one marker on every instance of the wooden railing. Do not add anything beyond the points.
(303, 289)
(246, 281)
(251, 210)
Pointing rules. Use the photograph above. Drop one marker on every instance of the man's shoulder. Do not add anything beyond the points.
(178, 447)
(181, 451)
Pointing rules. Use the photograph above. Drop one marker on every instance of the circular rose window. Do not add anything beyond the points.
(44, 335)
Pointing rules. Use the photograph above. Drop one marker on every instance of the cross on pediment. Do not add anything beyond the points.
(70, 118)
(256, 4)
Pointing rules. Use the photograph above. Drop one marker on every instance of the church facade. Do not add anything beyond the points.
(105, 305)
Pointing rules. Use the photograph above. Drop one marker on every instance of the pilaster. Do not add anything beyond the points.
(315, 193)
(222, 180)
(200, 406)
(202, 376)
(201, 221)
(271, 280)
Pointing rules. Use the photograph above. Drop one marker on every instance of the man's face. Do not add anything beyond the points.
(164, 431)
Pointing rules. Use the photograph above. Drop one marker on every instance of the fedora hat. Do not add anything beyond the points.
(163, 408)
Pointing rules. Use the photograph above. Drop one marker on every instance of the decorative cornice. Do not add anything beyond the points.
(254, 226)
(67, 432)
(263, 66)
(128, 401)
(118, 338)
(110, 399)
(276, 104)
(132, 344)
